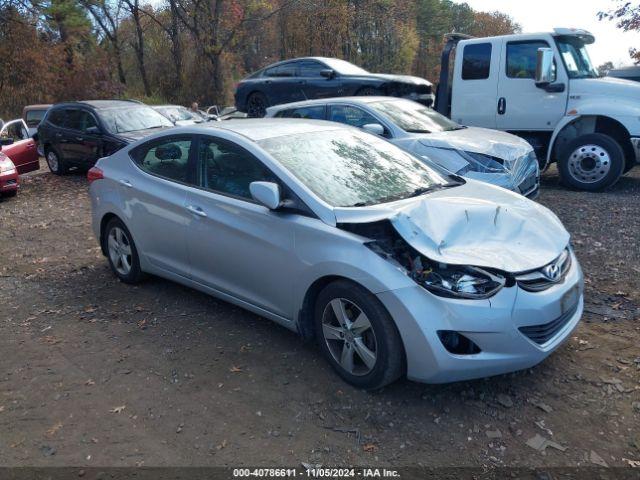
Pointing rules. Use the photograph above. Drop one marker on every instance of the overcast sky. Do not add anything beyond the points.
(543, 15)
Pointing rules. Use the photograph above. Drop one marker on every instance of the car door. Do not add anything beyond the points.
(475, 84)
(237, 246)
(281, 85)
(83, 139)
(23, 151)
(525, 106)
(314, 85)
(154, 190)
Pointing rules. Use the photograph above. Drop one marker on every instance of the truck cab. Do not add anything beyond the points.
(544, 88)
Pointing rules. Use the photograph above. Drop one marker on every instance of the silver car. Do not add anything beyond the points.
(487, 155)
(395, 267)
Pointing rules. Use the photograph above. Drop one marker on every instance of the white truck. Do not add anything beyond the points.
(544, 88)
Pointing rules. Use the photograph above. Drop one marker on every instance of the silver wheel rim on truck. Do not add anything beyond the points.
(589, 163)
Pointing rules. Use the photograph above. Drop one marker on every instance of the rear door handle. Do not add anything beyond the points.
(196, 211)
(126, 183)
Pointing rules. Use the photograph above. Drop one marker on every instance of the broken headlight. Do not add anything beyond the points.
(479, 162)
(457, 281)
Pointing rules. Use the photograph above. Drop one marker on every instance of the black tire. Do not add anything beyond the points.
(130, 272)
(10, 193)
(55, 162)
(369, 92)
(591, 162)
(386, 344)
(257, 105)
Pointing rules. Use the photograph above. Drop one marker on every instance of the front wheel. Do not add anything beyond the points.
(369, 92)
(358, 336)
(591, 162)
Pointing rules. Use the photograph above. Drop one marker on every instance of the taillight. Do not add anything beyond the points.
(95, 173)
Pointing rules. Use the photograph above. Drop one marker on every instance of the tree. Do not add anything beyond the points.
(604, 68)
(626, 14)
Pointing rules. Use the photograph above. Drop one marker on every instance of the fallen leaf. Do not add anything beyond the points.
(118, 409)
(52, 431)
(369, 447)
(222, 445)
(235, 369)
(89, 382)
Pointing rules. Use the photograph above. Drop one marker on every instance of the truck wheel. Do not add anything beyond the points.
(591, 162)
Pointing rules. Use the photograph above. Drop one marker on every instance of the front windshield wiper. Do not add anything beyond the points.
(416, 130)
(458, 127)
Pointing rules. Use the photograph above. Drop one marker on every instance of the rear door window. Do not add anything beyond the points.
(316, 112)
(80, 120)
(286, 70)
(476, 61)
(57, 118)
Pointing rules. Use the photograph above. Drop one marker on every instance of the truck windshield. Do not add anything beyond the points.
(576, 57)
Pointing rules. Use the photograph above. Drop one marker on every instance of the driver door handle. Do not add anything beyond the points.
(126, 183)
(196, 211)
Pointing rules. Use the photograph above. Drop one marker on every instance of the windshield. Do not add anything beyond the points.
(344, 67)
(129, 119)
(349, 168)
(576, 57)
(413, 117)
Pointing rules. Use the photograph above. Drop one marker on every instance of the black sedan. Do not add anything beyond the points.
(318, 77)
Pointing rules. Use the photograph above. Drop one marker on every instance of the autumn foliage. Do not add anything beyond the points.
(185, 50)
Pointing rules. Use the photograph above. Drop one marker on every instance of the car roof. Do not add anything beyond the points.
(39, 106)
(100, 104)
(322, 101)
(263, 128)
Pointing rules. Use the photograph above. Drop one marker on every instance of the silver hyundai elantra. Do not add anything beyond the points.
(395, 267)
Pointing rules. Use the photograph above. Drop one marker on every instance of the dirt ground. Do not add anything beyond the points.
(94, 372)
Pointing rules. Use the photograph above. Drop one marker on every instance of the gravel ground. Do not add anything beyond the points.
(94, 372)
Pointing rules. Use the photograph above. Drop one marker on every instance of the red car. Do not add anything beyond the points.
(18, 145)
(8, 177)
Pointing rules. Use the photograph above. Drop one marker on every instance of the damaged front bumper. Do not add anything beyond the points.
(500, 326)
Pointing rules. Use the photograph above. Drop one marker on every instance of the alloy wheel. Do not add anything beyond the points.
(349, 336)
(257, 106)
(52, 161)
(589, 163)
(119, 248)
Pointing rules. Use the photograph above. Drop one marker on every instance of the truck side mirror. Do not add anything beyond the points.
(545, 72)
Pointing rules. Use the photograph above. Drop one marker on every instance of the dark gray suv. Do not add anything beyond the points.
(77, 134)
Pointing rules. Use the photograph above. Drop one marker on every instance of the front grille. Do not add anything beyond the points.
(541, 334)
(538, 280)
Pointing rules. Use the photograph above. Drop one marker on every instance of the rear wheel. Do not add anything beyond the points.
(55, 162)
(10, 193)
(121, 252)
(358, 336)
(592, 162)
(257, 105)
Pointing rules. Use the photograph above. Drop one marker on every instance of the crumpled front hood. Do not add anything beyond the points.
(474, 224)
(402, 79)
(479, 140)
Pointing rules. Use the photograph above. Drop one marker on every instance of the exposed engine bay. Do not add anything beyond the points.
(439, 278)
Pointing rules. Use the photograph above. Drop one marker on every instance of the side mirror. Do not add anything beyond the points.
(6, 141)
(266, 193)
(374, 128)
(92, 131)
(328, 73)
(544, 67)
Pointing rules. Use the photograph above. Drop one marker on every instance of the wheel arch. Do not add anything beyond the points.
(573, 127)
(106, 218)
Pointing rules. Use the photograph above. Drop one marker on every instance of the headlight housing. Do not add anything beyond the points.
(458, 281)
(479, 162)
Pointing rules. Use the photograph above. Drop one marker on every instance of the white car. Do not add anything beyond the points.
(482, 154)
(395, 267)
